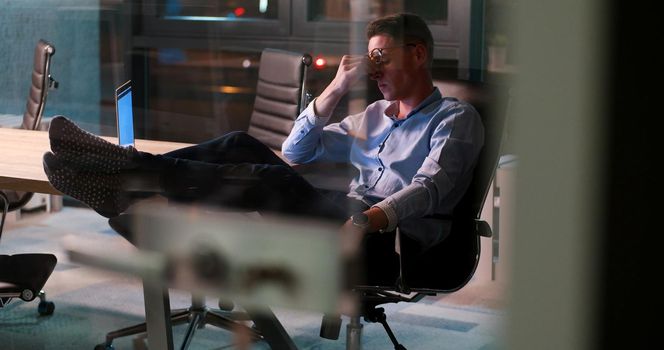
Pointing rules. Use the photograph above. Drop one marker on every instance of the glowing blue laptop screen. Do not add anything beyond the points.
(125, 116)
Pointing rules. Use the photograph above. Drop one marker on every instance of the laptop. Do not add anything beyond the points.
(124, 114)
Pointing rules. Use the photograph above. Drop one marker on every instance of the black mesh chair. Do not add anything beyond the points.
(24, 275)
(449, 265)
(280, 96)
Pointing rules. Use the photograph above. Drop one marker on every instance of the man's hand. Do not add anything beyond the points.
(352, 235)
(351, 69)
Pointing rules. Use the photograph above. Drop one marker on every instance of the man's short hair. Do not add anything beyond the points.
(405, 28)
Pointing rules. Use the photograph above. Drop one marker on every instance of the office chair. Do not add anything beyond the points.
(280, 96)
(24, 275)
(455, 258)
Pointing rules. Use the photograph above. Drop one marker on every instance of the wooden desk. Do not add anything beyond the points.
(21, 153)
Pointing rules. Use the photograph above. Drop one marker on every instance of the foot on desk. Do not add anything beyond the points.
(101, 192)
(86, 151)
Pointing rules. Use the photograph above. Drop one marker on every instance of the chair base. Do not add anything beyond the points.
(197, 316)
(378, 315)
(354, 329)
(371, 298)
(44, 307)
(23, 276)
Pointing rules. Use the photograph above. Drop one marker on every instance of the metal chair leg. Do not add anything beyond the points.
(354, 334)
(5, 210)
(378, 315)
(196, 316)
(194, 323)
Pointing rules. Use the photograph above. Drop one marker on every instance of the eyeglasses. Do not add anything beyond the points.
(377, 57)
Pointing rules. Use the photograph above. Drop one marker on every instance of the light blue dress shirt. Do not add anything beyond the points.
(410, 168)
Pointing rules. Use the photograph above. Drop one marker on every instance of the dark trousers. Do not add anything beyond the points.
(237, 171)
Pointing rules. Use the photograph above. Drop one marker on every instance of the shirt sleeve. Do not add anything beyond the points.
(455, 146)
(311, 140)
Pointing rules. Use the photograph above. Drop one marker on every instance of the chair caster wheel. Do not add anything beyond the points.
(103, 346)
(400, 347)
(330, 327)
(27, 295)
(46, 308)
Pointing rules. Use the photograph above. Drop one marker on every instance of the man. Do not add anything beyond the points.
(415, 152)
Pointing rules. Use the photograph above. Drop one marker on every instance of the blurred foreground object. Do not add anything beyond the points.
(250, 260)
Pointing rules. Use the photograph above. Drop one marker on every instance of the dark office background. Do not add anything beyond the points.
(72, 26)
(630, 302)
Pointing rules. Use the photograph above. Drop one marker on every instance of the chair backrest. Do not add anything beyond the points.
(449, 265)
(280, 95)
(491, 102)
(41, 81)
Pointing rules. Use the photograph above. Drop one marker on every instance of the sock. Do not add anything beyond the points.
(101, 192)
(86, 151)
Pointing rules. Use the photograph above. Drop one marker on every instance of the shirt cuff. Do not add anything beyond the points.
(311, 116)
(392, 219)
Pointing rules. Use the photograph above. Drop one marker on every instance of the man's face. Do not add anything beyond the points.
(396, 71)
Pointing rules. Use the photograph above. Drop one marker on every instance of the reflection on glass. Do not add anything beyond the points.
(196, 94)
(433, 11)
(230, 10)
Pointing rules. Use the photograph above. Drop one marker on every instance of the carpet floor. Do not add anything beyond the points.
(90, 302)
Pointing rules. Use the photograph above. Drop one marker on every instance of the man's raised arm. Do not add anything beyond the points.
(351, 68)
(310, 140)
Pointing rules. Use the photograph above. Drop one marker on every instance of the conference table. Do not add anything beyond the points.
(21, 169)
(21, 153)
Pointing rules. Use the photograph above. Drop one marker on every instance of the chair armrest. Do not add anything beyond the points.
(483, 228)
(44, 124)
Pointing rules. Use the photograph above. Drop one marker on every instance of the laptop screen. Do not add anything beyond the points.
(124, 114)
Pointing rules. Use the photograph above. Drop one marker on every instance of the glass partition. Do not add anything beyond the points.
(199, 58)
(184, 18)
(197, 94)
(194, 66)
(434, 12)
(338, 19)
(238, 10)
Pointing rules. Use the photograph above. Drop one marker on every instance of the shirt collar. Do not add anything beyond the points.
(435, 96)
